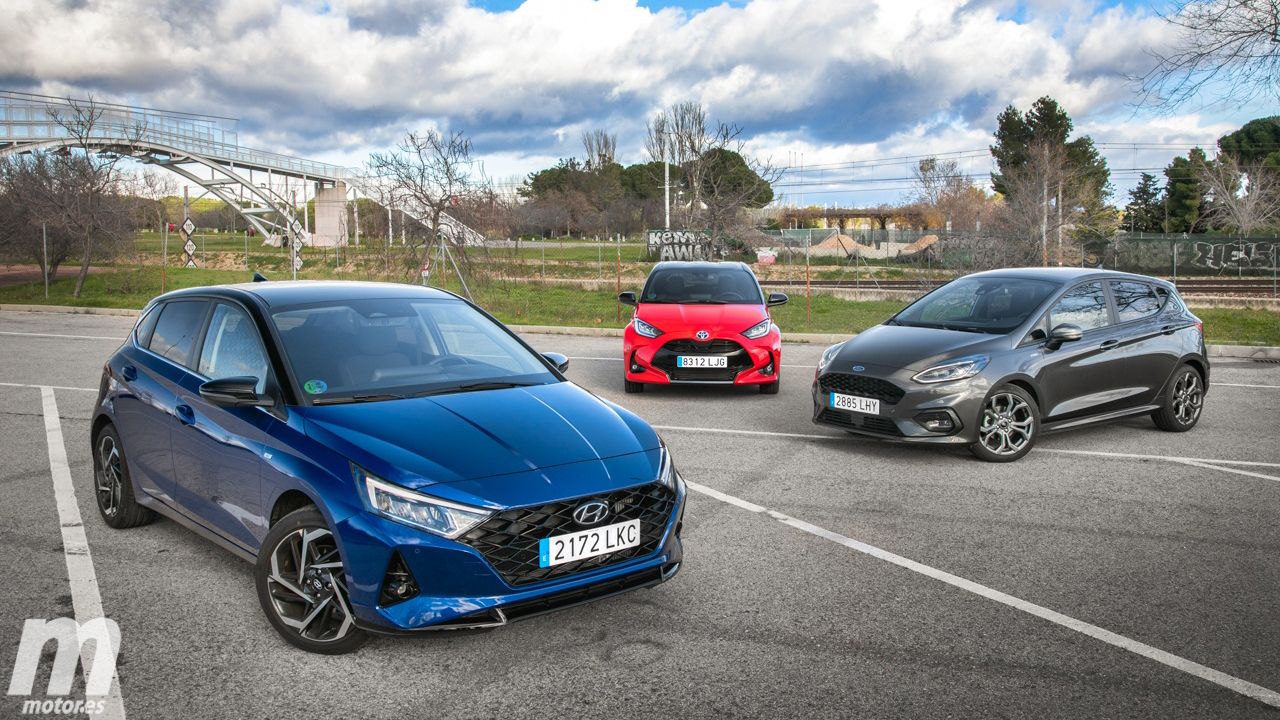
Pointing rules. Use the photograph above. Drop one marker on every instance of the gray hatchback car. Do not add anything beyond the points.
(994, 359)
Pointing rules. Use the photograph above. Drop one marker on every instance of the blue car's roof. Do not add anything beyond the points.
(299, 292)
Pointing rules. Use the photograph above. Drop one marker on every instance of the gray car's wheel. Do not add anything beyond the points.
(302, 585)
(1183, 402)
(112, 486)
(1008, 425)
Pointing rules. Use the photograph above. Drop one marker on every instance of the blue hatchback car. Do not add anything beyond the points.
(390, 457)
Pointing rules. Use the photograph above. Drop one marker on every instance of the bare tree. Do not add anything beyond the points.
(425, 175)
(1230, 46)
(718, 179)
(1242, 198)
(601, 148)
(80, 192)
(936, 179)
(1047, 198)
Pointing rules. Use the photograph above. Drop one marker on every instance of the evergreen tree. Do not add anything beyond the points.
(1145, 211)
(1185, 202)
(1046, 124)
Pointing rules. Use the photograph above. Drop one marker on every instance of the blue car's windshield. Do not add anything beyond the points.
(361, 350)
(978, 304)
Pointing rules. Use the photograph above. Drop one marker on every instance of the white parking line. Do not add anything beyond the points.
(1230, 682)
(67, 337)
(1245, 385)
(1205, 463)
(85, 600)
(55, 387)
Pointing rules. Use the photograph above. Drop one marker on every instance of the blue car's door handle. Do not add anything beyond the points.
(129, 373)
(185, 414)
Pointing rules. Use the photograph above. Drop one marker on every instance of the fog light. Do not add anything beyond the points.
(768, 369)
(939, 421)
(398, 584)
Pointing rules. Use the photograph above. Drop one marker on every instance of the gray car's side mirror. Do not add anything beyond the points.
(1066, 332)
(236, 392)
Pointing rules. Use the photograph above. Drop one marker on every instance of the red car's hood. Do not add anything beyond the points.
(715, 319)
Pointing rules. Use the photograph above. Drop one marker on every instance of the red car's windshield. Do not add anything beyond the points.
(715, 286)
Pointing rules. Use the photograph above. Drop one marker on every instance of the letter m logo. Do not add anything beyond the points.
(99, 664)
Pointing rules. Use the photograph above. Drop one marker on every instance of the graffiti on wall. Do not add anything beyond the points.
(1235, 255)
(679, 244)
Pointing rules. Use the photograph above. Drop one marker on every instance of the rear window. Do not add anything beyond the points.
(177, 329)
(702, 285)
(146, 326)
(1134, 300)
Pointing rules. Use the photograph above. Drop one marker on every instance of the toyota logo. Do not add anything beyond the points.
(591, 513)
(702, 334)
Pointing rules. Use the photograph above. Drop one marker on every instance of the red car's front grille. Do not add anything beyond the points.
(738, 360)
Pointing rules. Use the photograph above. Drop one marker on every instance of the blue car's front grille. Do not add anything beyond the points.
(509, 540)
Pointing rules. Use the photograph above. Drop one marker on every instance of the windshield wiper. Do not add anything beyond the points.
(472, 387)
(369, 397)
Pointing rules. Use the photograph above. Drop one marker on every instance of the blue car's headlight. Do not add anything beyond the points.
(434, 515)
(758, 330)
(645, 328)
(667, 474)
(958, 369)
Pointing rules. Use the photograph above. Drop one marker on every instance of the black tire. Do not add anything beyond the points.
(1008, 425)
(1183, 401)
(112, 484)
(308, 607)
(632, 387)
(771, 388)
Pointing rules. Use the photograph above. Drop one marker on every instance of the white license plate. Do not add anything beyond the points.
(561, 549)
(866, 406)
(702, 361)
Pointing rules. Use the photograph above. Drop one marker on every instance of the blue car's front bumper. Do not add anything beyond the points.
(458, 587)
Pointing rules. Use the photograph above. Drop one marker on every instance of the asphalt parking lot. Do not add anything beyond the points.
(1114, 572)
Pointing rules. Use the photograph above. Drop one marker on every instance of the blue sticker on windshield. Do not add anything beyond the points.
(315, 387)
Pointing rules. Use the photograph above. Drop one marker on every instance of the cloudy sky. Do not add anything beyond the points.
(849, 88)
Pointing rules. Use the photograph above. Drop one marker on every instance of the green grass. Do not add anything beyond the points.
(534, 304)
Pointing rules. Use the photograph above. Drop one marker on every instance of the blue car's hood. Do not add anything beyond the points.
(468, 436)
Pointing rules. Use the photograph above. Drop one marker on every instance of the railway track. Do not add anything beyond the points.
(1258, 287)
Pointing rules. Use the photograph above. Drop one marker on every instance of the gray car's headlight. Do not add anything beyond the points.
(434, 515)
(958, 369)
(758, 330)
(828, 355)
(645, 328)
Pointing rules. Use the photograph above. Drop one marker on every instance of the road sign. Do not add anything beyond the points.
(188, 227)
(189, 247)
(297, 262)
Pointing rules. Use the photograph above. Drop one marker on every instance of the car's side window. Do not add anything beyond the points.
(232, 347)
(1134, 300)
(147, 326)
(1084, 305)
(176, 330)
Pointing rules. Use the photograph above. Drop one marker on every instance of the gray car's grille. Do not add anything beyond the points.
(863, 423)
(862, 386)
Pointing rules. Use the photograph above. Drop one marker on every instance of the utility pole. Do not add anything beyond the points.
(44, 232)
(1044, 221)
(1059, 224)
(666, 188)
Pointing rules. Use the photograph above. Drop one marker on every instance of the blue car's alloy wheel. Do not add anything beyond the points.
(112, 487)
(302, 585)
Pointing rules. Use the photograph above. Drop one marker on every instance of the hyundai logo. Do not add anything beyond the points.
(591, 513)
(858, 368)
(702, 334)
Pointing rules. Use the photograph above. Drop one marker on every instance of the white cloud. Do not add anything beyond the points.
(835, 79)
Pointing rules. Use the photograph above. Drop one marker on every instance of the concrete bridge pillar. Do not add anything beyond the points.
(331, 216)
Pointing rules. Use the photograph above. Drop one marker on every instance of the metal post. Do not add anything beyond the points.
(356, 208)
(306, 216)
(666, 188)
(293, 244)
(391, 238)
(164, 249)
(44, 232)
(1174, 243)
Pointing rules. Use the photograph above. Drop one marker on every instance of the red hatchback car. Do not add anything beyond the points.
(702, 323)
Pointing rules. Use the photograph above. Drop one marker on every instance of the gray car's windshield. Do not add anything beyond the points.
(700, 285)
(978, 304)
(365, 350)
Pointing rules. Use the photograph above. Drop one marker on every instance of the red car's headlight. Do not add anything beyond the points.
(758, 330)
